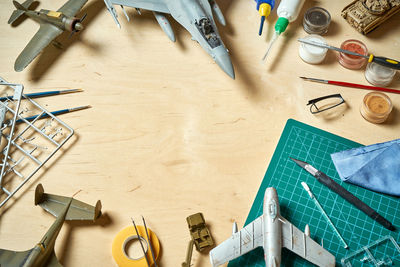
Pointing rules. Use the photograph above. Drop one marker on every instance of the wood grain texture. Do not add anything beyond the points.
(169, 133)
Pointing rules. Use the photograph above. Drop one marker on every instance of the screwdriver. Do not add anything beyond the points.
(383, 61)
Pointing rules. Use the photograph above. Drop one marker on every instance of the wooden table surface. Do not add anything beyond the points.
(169, 134)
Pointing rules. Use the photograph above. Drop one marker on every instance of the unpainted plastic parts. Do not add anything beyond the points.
(368, 257)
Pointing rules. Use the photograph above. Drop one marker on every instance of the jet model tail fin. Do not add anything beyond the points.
(21, 9)
(55, 205)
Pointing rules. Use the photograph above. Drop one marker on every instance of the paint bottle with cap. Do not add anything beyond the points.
(288, 11)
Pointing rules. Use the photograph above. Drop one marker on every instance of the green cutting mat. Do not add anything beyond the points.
(314, 146)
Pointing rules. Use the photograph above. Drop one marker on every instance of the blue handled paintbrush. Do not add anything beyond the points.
(43, 94)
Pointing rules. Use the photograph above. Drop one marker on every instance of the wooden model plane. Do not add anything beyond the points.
(52, 24)
(65, 209)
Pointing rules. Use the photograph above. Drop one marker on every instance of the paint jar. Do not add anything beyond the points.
(316, 20)
(376, 107)
(379, 75)
(310, 53)
(350, 61)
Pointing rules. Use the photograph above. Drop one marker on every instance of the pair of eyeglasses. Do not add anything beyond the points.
(325, 102)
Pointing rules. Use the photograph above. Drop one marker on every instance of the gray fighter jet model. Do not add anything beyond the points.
(52, 24)
(272, 232)
(64, 208)
(195, 15)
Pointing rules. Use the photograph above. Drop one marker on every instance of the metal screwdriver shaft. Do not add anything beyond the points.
(307, 188)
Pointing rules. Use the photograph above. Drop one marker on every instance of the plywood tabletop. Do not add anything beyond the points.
(169, 134)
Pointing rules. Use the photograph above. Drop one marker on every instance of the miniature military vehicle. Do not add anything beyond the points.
(366, 15)
(200, 236)
(199, 231)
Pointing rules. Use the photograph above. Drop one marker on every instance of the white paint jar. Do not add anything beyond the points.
(379, 75)
(312, 54)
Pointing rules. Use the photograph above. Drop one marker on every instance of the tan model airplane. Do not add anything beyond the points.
(65, 209)
(52, 24)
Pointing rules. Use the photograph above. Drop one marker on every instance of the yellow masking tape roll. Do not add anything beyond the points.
(127, 234)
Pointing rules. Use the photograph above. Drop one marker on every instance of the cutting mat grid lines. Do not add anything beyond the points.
(314, 146)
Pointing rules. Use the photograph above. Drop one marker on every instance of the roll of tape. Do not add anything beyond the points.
(122, 239)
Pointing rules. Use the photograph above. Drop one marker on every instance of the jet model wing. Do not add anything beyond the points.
(301, 244)
(72, 7)
(40, 40)
(154, 5)
(247, 239)
(9, 258)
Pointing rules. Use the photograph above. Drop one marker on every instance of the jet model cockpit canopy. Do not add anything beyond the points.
(206, 28)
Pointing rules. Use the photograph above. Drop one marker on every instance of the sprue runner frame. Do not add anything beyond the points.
(20, 156)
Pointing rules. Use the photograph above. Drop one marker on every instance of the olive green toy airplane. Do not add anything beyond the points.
(65, 209)
(52, 24)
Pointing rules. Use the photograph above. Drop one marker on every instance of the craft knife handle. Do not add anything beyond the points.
(341, 191)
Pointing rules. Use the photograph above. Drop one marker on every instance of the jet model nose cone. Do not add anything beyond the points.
(224, 61)
(78, 26)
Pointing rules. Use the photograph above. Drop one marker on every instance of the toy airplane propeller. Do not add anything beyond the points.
(52, 24)
(272, 232)
(65, 209)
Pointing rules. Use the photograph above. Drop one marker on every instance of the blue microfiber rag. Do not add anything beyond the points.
(375, 167)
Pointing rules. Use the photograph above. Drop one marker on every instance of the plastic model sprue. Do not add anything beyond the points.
(26, 145)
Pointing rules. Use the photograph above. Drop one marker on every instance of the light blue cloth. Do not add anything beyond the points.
(375, 167)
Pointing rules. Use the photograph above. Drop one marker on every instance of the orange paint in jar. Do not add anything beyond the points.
(351, 61)
(376, 107)
(353, 47)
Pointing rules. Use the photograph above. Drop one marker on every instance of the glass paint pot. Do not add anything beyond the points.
(376, 107)
(316, 20)
(350, 61)
(379, 75)
(310, 53)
